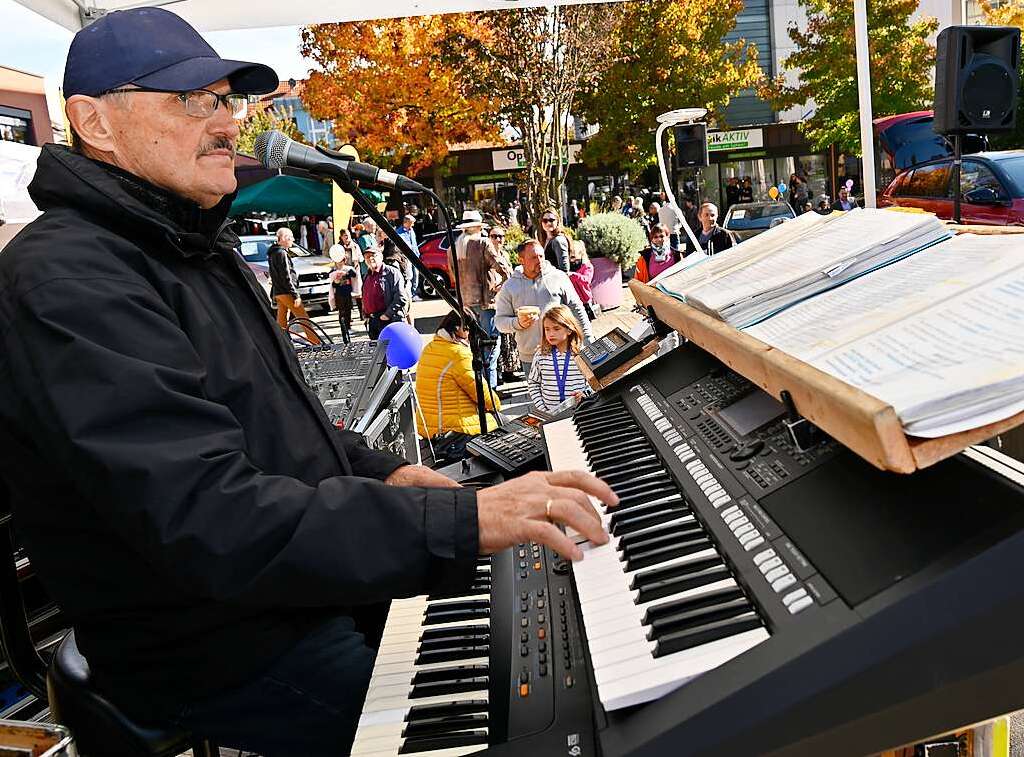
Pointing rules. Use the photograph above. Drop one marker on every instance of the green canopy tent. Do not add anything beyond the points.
(285, 195)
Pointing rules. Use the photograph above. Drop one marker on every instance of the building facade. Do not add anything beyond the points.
(287, 101)
(24, 116)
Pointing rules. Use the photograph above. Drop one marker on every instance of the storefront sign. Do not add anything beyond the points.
(741, 139)
(512, 158)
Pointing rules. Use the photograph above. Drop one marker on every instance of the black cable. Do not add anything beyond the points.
(314, 325)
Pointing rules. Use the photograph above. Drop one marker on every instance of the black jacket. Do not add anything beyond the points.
(283, 279)
(720, 240)
(181, 493)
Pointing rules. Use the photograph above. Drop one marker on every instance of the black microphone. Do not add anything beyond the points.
(275, 150)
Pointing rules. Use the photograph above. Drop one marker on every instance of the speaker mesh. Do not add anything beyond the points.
(988, 92)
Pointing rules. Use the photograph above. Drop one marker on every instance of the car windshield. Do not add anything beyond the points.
(756, 216)
(1014, 168)
(255, 251)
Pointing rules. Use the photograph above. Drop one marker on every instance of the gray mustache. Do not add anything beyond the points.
(221, 143)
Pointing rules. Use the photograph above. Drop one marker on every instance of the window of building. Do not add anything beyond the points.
(16, 125)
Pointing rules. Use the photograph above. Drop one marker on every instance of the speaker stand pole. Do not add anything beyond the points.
(956, 177)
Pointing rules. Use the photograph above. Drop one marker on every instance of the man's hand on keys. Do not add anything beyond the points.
(518, 511)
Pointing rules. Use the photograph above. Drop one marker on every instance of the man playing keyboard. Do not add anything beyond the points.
(180, 491)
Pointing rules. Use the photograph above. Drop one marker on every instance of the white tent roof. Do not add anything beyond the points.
(17, 167)
(217, 15)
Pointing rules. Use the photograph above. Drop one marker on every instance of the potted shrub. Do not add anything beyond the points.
(613, 243)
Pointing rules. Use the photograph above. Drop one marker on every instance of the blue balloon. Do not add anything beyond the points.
(783, 188)
(404, 345)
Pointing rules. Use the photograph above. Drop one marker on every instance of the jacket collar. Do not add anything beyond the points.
(66, 179)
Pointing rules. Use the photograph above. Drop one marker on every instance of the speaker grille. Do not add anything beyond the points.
(988, 92)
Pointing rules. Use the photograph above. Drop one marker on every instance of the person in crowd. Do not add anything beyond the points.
(660, 255)
(284, 284)
(355, 257)
(671, 217)
(581, 274)
(746, 190)
(408, 234)
(556, 243)
(712, 237)
(808, 207)
(554, 375)
(535, 284)
(798, 193)
(482, 271)
(653, 216)
(824, 207)
(445, 383)
(384, 299)
(367, 234)
(214, 526)
(616, 205)
(732, 192)
(637, 211)
(690, 218)
(397, 260)
(343, 280)
(844, 201)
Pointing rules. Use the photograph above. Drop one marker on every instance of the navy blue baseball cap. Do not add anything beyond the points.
(153, 48)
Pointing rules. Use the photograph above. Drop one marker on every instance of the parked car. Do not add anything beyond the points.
(434, 254)
(991, 188)
(314, 271)
(748, 219)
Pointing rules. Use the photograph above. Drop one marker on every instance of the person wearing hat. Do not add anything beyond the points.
(179, 489)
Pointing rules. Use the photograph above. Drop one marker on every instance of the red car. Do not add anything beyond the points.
(991, 188)
(434, 254)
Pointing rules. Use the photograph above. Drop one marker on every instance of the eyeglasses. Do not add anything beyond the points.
(199, 103)
(548, 220)
(497, 236)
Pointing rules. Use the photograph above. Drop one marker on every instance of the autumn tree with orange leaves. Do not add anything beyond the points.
(384, 85)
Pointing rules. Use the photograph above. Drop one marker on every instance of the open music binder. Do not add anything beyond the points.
(864, 423)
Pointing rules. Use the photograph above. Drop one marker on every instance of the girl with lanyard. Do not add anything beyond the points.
(555, 379)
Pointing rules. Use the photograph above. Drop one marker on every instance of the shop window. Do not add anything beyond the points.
(16, 126)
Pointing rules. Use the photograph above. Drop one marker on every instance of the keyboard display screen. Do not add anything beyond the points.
(865, 529)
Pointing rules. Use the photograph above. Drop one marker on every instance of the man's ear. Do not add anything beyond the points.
(87, 116)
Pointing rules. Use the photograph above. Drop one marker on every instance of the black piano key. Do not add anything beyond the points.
(445, 709)
(665, 609)
(647, 558)
(474, 590)
(611, 467)
(438, 726)
(669, 586)
(652, 504)
(656, 491)
(694, 637)
(697, 617)
(660, 535)
(636, 473)
(451, 654)
(616, 440)
(662, 515)
(434, 617)
(440, 688)
(612, 456)
(451, 632)
(462, 639)
(672, 571)
(448, 741)
(627, 488)
(447, 674)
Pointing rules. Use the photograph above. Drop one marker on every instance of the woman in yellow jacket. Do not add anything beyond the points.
(445, 384)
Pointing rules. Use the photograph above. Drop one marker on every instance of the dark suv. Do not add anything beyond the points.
(991, 188)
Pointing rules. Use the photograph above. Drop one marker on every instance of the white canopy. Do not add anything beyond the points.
(219, 15)
(17, 167)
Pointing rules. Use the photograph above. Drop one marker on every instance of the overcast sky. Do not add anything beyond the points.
(34, 44)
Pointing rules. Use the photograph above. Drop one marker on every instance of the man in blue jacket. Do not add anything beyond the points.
(179, 489)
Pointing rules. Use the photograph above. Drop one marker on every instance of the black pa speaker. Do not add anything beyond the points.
(976, 79)
(691, 146)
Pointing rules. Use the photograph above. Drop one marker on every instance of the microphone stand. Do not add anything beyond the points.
(476, 332)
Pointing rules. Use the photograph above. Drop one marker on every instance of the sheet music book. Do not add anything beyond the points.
(799, 259)
(939, 336)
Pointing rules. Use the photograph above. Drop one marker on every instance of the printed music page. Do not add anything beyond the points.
(857, 233)
(813, 328)
(948, 368)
